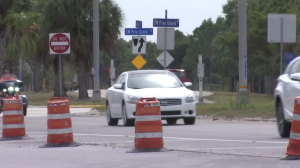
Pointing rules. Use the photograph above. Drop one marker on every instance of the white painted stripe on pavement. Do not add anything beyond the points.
(175, 138)
(296, 117)
(149, 135)
(148, 118)
(12, 126)
(13, 112)
(59, 43)
(58, 116)
(294, 135)
(60, 131)
(271, 147)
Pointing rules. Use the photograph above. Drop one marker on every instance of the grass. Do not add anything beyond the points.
(40, 99)
(226, 106)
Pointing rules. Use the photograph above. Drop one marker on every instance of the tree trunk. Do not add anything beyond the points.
(82, 77)
(229, 84)
(252, 84)
(37, 77)
(268, 84)
(2, 52)
(56, 74)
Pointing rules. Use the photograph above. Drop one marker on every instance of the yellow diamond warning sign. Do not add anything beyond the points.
(139, 62)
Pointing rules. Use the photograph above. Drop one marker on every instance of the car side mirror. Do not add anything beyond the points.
(187, 84)
(295, 76)
(118, 86)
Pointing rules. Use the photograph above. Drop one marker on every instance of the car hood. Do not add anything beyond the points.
(160, 92)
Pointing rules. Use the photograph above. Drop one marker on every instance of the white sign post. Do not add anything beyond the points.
(200, 68)
(59, 43)
(281, 29)
(112, 71)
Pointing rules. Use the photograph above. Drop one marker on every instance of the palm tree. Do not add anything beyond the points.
(75, 17)
(12, 15)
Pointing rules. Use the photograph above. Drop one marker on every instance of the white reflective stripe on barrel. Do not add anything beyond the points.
(148, 118)
(59, 116)
(149, 135)
(296, 117)
(12, 126)
(13, 112)
(60, 131)
(294, 135)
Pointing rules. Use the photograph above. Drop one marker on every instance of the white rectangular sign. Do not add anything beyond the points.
(161, 38)
(288, 25)
(139, 44)
(200, 69)
(112, 72)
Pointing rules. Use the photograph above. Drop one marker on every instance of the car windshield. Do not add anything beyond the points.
(179, 74)
(140, 81)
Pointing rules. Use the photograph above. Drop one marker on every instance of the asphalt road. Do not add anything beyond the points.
(207, 144)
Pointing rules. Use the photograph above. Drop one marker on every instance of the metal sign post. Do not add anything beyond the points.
(112, 72)
(200, 68)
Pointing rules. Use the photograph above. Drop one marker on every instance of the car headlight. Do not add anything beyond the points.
(190, 99)
(132, 99)
(4, 90)
(17, 89)
(10, 89)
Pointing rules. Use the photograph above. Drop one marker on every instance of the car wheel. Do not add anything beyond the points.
(24, 111)
(110, 121)
(189, 121)
(126, 121)
(171, 121)
(284, 127)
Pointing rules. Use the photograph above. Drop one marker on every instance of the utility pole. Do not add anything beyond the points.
(96, 97)
(243, 94)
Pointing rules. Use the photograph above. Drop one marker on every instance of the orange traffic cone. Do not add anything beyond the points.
(293, 149)
(148, 127)
(60, 133)
(13, 126)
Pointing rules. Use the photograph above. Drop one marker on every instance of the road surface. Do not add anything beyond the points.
(206, 144)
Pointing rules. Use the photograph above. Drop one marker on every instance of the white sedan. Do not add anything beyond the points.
(176, 101)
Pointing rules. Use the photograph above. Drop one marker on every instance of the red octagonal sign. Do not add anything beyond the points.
(59, 43)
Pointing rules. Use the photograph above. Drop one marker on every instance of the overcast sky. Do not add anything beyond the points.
(190, 13)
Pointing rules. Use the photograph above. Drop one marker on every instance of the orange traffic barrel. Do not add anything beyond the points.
(60, 133)
(148, 126)
(293, 149)
(13, 126)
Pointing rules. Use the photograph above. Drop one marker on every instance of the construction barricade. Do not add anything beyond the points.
(60, 133)
(13, 126)
(293, 149)
(148, 127)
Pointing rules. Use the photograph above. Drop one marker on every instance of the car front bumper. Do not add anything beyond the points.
(184, 110)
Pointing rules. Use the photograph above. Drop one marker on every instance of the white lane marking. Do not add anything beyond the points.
(176, 138)
(275, 147)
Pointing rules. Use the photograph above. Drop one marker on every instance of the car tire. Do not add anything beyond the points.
(110, 121)
(172, 121)
(283, 126)
(126, 121)
(24, 111)
(189, 121)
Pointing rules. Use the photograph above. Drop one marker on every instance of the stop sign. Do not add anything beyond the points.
(59, 43)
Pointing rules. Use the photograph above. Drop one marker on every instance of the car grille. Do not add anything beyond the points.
(167, 113)
(169, 102)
